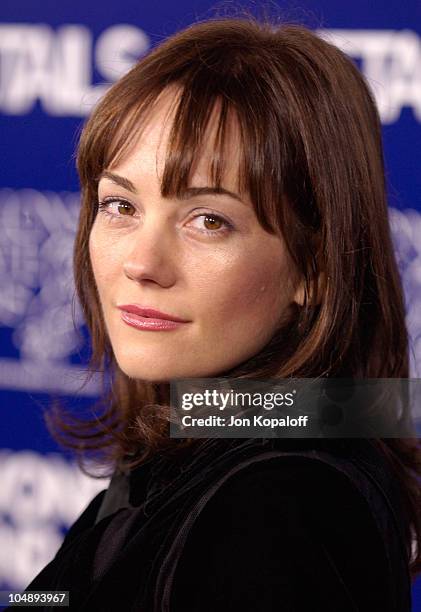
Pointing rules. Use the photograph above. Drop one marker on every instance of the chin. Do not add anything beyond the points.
(149, 372)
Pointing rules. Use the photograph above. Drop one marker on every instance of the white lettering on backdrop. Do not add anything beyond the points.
(55, 67)
(40, 497)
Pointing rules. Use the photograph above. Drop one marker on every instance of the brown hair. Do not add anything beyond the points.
(312, 162)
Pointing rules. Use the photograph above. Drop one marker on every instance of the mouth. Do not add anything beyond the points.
(149, 318)
(150, 313)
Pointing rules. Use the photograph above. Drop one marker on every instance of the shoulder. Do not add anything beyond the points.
(304, 491)
(277, 526)
(286, 493)
(85, 520)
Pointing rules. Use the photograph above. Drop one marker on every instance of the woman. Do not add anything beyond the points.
(233, 181)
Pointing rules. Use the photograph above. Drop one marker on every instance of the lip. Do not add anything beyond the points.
(147, 318)
(144, 311)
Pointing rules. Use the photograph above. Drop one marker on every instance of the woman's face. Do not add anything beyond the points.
(204, 259)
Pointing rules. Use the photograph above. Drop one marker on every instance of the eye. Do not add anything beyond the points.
(211, 223)
(116, 207)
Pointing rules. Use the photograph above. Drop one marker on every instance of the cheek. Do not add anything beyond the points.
(246, 290)
(105, 257)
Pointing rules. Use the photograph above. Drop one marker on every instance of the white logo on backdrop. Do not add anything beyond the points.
(390, 61)
(54, 67)
(40, 497)
(36, 245)
(36, 300)
(406, 232)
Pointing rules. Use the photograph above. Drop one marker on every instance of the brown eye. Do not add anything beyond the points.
(211, 225)
(115, 208)
(124, 208)
(212, 222)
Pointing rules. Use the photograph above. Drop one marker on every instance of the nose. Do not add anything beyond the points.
(150, 258)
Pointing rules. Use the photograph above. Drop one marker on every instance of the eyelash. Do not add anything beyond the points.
(103, 205)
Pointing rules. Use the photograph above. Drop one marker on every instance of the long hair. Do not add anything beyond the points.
(312, 162)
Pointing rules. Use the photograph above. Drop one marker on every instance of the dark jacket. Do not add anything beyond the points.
(246, 524)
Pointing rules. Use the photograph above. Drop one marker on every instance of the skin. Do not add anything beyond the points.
(233, 282)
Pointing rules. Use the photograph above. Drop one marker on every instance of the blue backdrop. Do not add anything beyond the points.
(55, 62)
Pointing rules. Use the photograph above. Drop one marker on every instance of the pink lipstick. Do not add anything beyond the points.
(149, 318)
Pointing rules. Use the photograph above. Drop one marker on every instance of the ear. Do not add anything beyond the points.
(313, 298)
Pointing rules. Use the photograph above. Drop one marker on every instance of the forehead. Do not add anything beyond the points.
(151, 143)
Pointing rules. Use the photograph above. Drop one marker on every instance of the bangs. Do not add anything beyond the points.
(258, 174)
(233, 85)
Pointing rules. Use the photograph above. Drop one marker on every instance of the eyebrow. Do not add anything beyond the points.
(190, 192)
(118, 180)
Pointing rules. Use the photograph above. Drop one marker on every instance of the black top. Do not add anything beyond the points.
(285, 532)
